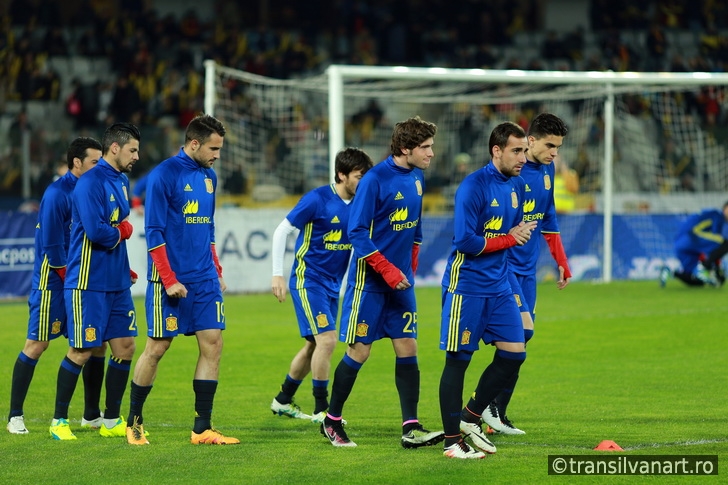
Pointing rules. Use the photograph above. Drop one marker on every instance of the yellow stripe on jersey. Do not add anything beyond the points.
(155, 273)
(44, 317)
(45, 269)
(453, 326)
(85, 268)
(361, 271)
(77, 317)
(157, 316)
(455, 271)
(307, 310)
(305, 245)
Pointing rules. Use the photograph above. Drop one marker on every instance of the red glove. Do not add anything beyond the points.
(61, 272)
(415, 257)
(133, 275)
(215, 259)
(391, 274)
(498, 243)
(161, 262)
(125, 229)
(557, 251)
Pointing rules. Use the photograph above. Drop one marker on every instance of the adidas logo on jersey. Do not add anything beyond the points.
(494, 203)
(112, 198)
(528, 189)
(399, 196)
(188, 188)
(335, 220)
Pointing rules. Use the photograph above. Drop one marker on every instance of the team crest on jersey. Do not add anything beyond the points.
(208, 186)
(418, 184)
(170, 324)
(547, 182)
(126, 195)
(514, 200)
(322, 321)
(90, 334)
(362, 329)
(465, 339)
(518, 300)
(56, 327)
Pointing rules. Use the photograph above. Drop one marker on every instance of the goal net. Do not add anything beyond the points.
(639, 143)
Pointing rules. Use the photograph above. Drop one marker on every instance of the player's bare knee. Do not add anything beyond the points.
(35, 348)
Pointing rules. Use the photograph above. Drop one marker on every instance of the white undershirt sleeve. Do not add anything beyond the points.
(278, 250)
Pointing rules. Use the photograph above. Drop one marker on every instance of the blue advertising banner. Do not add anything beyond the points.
(642, 243)
(17, 253)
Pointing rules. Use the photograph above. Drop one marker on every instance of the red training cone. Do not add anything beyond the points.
(608, 445)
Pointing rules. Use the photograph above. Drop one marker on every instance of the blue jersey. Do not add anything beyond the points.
(180, 213)
(386, 216)
(52, 233)
(701, 232)
(487, 204)
(538, 205)
(97, 258)
(322, 246)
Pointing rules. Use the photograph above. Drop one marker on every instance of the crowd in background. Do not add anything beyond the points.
(153, 74)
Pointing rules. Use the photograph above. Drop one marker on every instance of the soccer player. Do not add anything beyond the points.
(545, 136)
(379, 302)
(322, 256)
(47, 308)
(184, 294)
(478, 303)
(98, 280)
(699, 245)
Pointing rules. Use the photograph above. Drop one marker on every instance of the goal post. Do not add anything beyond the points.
(606, 83)
(286, 133)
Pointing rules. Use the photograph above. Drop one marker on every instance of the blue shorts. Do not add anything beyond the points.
(202, 309)
(316, 311)
(524, 289)
(367, 316)
(47, 315)
(468, 319)
(99, 316)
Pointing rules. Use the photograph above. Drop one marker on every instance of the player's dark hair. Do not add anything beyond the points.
(501, 133)
(350, 159)
(201, 127)
(547, 124)
(410, 133)
(78, 147)
(121, 134)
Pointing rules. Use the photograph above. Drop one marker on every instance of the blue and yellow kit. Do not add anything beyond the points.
(180, 213)
(97, 259)
(487, 204)
(386, 215)
(322, 247)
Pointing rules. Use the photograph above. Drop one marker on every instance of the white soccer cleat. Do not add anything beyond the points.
(291, 410)
(16, 425)
(497, 423)
(463, 451)
(478, 437)
(94, 423)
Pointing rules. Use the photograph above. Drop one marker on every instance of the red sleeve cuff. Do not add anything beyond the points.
(161, 262)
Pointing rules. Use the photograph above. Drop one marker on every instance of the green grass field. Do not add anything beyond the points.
(628, 361)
